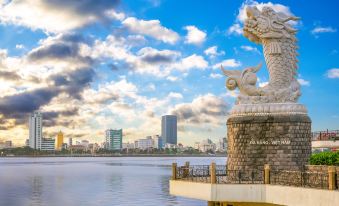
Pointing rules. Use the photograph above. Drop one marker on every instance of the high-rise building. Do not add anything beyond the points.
(169, 129)
(35, 130)
(113, 139)
(60, 140)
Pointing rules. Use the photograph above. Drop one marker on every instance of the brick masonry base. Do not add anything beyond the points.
(282, 141)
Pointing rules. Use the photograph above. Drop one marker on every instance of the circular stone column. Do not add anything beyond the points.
(282, 141)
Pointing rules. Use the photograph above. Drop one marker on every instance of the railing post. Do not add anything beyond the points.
(186, 169)
(267, 174)
(210, 203)
(331, 178)
(212, 173)
(174, 171)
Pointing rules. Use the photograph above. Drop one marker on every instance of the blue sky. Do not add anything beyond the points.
(94, 65)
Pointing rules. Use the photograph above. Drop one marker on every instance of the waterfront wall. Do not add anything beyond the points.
(254, 193)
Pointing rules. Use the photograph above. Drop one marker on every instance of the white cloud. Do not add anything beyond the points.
(276, 7)
(190, 62)
(194, 35)
(204, 109)
(212, 52)
(115, 15)
(262, 84)
(55, 16)
(235, 29)
(153, 56)
(147, 60)
(151, 87)
(304, 82)
(227, 63)
(19, 46)
(175, 95)
(215, 76)
(172, 78)
(232, 94)
(319, 29)
(250, 49)
(333, 73)
(152, 28)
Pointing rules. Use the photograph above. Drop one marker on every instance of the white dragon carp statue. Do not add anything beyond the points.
(277, 36)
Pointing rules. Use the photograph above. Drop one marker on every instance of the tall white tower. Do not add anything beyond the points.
(35, 130)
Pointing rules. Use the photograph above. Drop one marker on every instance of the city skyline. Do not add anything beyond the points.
(131, 63)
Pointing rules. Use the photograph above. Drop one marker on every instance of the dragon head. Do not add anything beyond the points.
(267, 24)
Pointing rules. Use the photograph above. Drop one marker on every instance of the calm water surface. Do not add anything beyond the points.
(82, 181)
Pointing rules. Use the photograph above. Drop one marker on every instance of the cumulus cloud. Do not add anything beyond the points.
(232, 63)
(215, 76)
(17, 106)
(46, 15)
(212, 52)
(146, 60)
(172, 78)
(154, 56)
(203, 109)
(262, 84)
(276, 7)
(236, 28)
(194, 35)
(304, 82)
(319, 30)
(193, 61)
(151, 28)
(63, 47)
(250, 49)
(19, 46)
(175, 95)
(9, 75)
(333, 73)
(55, 68)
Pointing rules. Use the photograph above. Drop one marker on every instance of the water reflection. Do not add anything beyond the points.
(91, 181)
(36, 184)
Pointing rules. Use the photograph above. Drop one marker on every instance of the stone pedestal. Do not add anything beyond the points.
(282, 141)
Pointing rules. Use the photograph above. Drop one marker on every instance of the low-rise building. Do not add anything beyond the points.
(325, 141)
(6, 144)
(207, 145)
(70, 141)
(170, 146)
(48, 144)
(144, 144)
(85, 143)
(77, 148)
(128, 145)
(221, 146)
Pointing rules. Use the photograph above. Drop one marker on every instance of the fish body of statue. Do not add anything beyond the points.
(272, 30)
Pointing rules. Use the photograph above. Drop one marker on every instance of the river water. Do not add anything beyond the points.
(87, 181)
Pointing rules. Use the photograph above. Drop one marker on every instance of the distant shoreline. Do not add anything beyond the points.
(124, 155)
